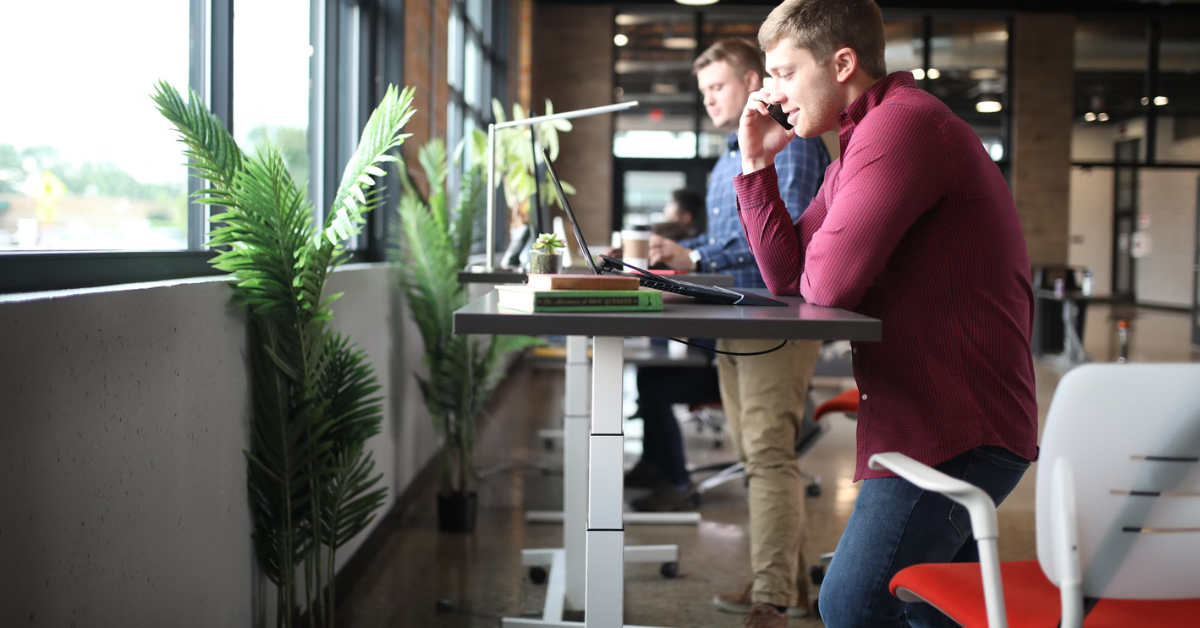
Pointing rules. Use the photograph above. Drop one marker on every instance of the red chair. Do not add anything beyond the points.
(1118, 512)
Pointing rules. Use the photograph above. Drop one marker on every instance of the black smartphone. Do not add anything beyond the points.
(776, 112)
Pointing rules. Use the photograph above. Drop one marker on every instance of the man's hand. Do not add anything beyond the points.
(760, 136)
(670, 253)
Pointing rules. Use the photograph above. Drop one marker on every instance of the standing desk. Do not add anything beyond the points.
(588, 573)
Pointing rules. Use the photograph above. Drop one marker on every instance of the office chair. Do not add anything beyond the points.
(1118, 512)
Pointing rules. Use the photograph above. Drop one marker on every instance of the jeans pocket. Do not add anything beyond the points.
(1000, 457)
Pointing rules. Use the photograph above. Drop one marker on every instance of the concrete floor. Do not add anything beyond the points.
(480, 574)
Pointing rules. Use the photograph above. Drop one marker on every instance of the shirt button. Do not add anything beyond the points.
(733, 153)
(864, 397)
(741, 259)
(854, 350)
(712, 240)
(716, 210)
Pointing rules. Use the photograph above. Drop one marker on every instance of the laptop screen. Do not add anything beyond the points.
(562, 198)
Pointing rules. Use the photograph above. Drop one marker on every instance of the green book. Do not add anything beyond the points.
(522, 298)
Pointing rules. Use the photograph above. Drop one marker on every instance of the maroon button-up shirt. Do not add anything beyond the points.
(915, 226)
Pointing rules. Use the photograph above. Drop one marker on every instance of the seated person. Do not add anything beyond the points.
(663, 466)
(684, 216)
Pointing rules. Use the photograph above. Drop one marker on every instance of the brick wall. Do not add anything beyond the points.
(1042, 115)
(578, 75)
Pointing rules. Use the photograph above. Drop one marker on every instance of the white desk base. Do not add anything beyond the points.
(589, 571)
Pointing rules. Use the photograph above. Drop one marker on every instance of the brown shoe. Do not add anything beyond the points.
(741, 604)
(765, 616)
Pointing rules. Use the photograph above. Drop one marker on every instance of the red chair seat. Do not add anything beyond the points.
(1031, 599)
(846, 402)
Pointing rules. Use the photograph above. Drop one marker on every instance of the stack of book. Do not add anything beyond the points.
(578, 293)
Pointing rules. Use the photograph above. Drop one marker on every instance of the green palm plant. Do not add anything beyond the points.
(463, 370)
(311, 482)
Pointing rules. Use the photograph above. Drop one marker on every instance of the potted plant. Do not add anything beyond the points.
(463, 370)
(547, 254)
(311, 481)
(515, 162)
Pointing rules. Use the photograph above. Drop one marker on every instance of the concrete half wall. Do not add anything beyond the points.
(125, 412)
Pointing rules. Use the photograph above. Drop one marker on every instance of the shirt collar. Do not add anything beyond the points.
(732, 142)
(868, 100)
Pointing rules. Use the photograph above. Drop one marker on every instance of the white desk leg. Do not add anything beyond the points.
(606, 483)
(575, 468)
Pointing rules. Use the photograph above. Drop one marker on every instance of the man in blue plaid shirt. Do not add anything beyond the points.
(763, 396)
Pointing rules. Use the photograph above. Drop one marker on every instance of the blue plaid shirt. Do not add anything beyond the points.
(723, 248)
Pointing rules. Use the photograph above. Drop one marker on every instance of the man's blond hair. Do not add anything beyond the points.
(823, 26)
(741, 55)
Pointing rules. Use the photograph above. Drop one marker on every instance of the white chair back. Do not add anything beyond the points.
(1119, 470)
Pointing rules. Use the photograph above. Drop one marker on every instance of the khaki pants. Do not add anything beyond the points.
(763, 397)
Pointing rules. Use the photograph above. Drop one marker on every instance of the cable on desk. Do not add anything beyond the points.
(733, 353)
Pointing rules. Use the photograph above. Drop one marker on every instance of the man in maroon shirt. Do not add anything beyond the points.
(914, 225)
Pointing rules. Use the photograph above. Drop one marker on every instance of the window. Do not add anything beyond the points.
(272, 54)
(1111, 63)
(654, 67)
(477, 62)
(93, 190)
(86, 162)
(968, 71)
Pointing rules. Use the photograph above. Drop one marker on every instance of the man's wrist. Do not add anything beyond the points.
(751, 165)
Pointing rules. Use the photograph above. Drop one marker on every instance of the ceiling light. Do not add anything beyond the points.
(664, 88)
(918, 74)
(620, 40)
(626, 19)
(1160, 100)
(1145, 100)
(696, 3)
(1103, 117)
(679, 43)
(933, 73)
(988, 106)
(1089, 116)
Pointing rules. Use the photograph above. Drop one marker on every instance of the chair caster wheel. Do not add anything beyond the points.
(718, 444)
(669, 570)
(816, 608)
(813, 490)
(548, 444)
(816, 573)
(537, 575)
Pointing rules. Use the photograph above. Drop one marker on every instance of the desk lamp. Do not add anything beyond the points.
(491, 197)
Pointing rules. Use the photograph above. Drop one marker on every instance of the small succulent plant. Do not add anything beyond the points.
(548, 243)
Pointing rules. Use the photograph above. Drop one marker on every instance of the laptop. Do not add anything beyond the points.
(708, 294)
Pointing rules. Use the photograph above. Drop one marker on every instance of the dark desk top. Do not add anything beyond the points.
(680, 317)
(500, 276)
(653, 355)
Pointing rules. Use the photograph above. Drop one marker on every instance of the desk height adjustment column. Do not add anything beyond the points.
(606, 484)
(575, 466)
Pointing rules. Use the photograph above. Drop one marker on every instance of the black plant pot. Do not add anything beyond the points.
(456, 512)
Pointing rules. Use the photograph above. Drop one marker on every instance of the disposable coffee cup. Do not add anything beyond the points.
(635, 247)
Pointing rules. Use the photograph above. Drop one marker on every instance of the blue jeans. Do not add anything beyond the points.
(896, 525)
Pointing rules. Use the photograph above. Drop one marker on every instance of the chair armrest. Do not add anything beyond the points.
(977, 502)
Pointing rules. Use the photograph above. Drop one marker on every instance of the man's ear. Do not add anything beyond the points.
(845, 64)
(753, 80)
